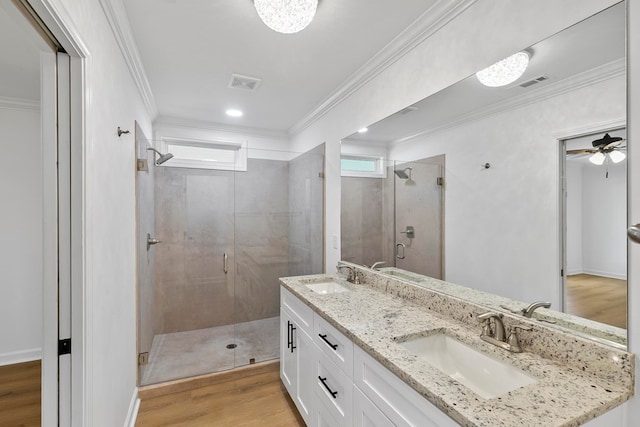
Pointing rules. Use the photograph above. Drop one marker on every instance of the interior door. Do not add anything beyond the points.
(418, 218)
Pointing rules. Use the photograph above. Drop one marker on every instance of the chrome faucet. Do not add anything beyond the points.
(528, 312)
(376, 264)
(498, 331)
(353, 276)
(497, 335)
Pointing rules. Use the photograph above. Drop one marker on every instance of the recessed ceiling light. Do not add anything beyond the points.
(234, 113)
(363, 130)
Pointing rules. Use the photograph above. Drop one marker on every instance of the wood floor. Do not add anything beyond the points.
(238, 400)
(598, 298)
(20, 394)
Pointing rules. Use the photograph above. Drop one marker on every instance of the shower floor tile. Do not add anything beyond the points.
(203, 351)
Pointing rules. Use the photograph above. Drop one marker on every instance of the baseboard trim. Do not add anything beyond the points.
(134, 406)
(176, 386)
(20, 356)
(605, 274)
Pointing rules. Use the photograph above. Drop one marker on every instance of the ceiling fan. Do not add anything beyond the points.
(603, 148)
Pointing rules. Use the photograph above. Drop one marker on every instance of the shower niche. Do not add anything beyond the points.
(226, 237)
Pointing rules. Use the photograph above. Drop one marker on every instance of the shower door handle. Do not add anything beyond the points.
(398, 246)
(225, 259)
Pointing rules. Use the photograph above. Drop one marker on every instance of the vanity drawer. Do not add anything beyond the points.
(366, 414)
(301, 314)
(400, 403)
(334, 344)
(333, 390)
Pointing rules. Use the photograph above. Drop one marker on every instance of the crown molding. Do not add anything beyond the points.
(8, 103)
(121, 29)
(218, 127)
(587, 78)
(421, 29)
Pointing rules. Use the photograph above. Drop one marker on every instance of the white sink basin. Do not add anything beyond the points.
(486, 376)
(327, 288)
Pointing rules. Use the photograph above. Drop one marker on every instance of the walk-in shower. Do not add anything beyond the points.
(227, 236)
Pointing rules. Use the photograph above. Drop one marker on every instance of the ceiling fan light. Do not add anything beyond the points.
(597, 159)
(286, 16)
(506, 71)
(617, 156)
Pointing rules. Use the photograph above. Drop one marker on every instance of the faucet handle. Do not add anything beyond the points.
(514, 338)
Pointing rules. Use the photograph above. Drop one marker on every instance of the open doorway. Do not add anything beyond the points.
(594, 215)
(23, 217)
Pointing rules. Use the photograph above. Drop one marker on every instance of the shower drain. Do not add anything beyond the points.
(231, 346)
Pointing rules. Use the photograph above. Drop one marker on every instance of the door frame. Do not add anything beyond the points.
(57, 20)
(561, 139)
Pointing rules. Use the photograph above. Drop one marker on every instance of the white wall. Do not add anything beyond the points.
(21, 231)
(604, 201)
(483, 34)
(267, 145)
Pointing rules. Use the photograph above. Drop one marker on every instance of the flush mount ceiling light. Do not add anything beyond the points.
(506, 71)
(363, 130)
(286, 16)
(234, 113)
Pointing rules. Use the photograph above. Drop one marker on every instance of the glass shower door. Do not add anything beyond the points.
(193, 298)
(278, 233)
(418, 218)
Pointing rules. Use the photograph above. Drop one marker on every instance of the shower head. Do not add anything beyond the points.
(161, 157)
(402, 174)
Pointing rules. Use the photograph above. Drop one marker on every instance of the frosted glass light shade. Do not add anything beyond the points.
(504, 72)
(286, 16)
(597, 159)
(617, 156)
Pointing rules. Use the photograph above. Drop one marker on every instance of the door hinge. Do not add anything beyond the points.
(562, 272)
(321, 175)
(143, 358)
(440, 181)
(64, 346)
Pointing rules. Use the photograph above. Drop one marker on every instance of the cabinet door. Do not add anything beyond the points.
(305, 356)
(288, 365)
(366, 414)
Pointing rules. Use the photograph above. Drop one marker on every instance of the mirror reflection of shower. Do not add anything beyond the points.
(402, 174)
(161, 157)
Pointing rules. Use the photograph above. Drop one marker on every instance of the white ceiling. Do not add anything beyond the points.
(20, 47)
(598, 41)
(190, 48)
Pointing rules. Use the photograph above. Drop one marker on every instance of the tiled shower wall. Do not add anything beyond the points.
(362, 219)
(268, 220)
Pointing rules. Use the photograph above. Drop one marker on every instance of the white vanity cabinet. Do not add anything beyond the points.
(297, 352)
(336, 384)
(401, 404)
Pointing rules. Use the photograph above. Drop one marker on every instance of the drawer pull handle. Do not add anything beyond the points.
(323, 381)
(324, 338)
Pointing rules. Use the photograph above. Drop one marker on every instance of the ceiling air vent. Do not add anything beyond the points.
(533, 81)
(244, 82)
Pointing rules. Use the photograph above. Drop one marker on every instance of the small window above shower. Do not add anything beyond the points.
(202, 154)
(362, 166)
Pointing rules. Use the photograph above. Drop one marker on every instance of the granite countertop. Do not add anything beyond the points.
(575, 383)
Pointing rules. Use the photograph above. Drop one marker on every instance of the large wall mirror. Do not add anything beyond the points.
(515, 193)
